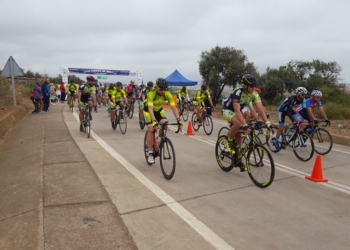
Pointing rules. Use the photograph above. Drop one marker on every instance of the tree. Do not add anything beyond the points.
(29, 74)
(224, 66)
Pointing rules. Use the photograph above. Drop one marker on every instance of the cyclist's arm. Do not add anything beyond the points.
(261, 110)
(175, 112)
(323, 113)
(79, 97)
(310, 113)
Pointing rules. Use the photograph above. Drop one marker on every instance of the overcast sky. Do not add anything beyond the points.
(159, 36)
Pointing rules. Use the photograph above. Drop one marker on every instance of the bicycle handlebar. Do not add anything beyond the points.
(167, 123)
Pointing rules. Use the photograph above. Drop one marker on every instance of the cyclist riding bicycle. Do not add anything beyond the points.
(118, 97)
(144, 97)
(182, 95)
(199, 97)
(310, 104)
(72, 89)
(85, 93)
(154, 113)
(131, 90)
(289, 108)
(240, 98)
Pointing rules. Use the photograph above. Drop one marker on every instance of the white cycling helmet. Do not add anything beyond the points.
(301, 90)
(316, 93)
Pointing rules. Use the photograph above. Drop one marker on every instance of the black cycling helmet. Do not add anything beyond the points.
(90, 78)
(119, 84)
(162, 83)
(150, 84)
(204, 87)
(249, 80)
(111, 86)
(71, 80)
(183, 88)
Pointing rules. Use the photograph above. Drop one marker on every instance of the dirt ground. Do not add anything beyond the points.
(338, 127)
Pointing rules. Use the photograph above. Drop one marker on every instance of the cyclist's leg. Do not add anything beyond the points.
(246, 114)
(113, 107)
(281, 118)
(161, 117)
(299, 119)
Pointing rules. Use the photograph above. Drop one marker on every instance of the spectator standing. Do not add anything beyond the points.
(45, 88)
(32, 98)
(63, 92)
(37, 97)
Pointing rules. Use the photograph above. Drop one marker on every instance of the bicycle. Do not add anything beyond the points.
(54, 100)
(71, 104)
(183, 111)
(163, 147)
(86, 121)
(207, 121)
(322, 139)
(261, 171)
(129, 108)
(120, 118)
(301, 142)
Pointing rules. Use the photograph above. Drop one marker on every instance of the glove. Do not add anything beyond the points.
(245, 126)
(179, 122)
(268, 124)
(154, 123)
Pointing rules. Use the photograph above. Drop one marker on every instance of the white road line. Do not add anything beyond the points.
(204, 231)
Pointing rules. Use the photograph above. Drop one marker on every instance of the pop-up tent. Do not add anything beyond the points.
(176, 79)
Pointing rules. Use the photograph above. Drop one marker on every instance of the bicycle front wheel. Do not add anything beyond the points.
(185, 114)
(122, 123)
(142, 122)
(194, 122)
(323, 141)
(131, 111)
(208, 125)
(303, 146)
(223, 131)
(223, 157)
(260, 166)
(167, 158)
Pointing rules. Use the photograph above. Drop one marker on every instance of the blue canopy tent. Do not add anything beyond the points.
(176, 79)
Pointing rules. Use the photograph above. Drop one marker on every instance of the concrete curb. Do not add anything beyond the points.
(8, 121)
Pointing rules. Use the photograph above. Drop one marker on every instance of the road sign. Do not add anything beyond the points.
(101, 77)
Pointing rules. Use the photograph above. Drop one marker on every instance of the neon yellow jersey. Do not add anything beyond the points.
(156, 101)
(256, 97)
(182, 93)
(72, 87)
(110, 90)
(202, 95)
(118, 95)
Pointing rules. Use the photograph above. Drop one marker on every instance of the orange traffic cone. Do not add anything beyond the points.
(189, 129)
(317, 171)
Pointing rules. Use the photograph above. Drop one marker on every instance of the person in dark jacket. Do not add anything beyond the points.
(45, 88)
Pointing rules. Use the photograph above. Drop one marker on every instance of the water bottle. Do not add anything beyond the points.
(309, 130)
(158, 139)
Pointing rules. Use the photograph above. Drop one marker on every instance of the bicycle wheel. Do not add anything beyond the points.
(223, 158)
(223, 131)
(260, 166)
(167, 158)
(194, 122)
(142, 122)
(208, 125)
(145, 148)
(323, 141)
(122, 123)
(271, 133)
(185, 114)
(303, 146)
(54, 100)
(131, 111)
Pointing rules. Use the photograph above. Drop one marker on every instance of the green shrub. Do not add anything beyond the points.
(346, 113)
(334, 110)
(4, 87)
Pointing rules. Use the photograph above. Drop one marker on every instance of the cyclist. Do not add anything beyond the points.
(110, 90)
(118, 97)
(85, 94)
(154, 113)
(288, 108)
(312, 103)
(72, 89)
(201, 94)
(232, 111)
(144, 97)
(131, 90)
(182, 96)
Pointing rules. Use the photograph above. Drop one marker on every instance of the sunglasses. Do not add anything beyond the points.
(162, 89)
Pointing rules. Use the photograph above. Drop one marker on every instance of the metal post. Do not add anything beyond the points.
(13, 81)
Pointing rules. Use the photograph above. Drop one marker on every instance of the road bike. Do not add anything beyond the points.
(301, 142)
(164, 149)
(71, 102)
(206, 121)
(129, 109)
(120, 118)
(258, 160)
(183, 110)
(86, 121)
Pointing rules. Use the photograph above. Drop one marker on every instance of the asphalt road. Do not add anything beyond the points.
(203, 207)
